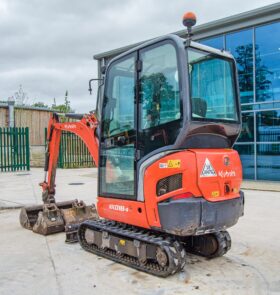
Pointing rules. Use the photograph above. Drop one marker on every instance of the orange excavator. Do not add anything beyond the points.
(162, 136)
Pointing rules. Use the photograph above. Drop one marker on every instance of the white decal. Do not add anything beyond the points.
(208, 170)
(118, 208)
(224, 174)
(69, 126)
(163, 165)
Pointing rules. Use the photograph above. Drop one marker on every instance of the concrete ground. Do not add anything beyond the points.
(33, 264)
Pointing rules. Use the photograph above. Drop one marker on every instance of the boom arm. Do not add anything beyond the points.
(85, 129)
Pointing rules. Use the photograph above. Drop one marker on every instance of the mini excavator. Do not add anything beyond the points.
(169, 181)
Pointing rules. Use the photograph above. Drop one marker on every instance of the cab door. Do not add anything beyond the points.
(159, 108)
(117, 171)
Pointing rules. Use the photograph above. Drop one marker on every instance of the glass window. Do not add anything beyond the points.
(265, 106)
(247, 107)
(160, 100)
(118, 131)
(117, 170)
(213, 92)
(268, 161)
(216, 42)
(240, 45)
(247, 131)
(268, 126)
(246, 153)
(267, 51)
(119, 99)
(159, 105)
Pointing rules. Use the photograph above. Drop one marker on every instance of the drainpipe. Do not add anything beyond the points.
(11, 105)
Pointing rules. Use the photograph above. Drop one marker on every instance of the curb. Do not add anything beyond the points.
(2, 208)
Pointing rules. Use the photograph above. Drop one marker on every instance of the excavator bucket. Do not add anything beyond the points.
(29, 215)
(57, 217)
(74, 216)
(49, 220)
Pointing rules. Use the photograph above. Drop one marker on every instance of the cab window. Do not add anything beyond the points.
(159, 106)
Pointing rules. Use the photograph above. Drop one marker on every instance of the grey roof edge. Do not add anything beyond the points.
(235, 22)
(33, 108)
(5, 105)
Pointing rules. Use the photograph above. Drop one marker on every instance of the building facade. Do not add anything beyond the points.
(253, 38)
(36, 119)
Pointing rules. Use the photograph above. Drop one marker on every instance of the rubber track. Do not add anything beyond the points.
(224, 244)
(172, 247)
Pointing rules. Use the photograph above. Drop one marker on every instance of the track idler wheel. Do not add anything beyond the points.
(210, 245)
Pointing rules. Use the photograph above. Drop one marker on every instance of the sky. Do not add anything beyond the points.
(47, 46)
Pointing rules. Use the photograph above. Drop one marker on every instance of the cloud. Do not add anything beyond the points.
(47, 46)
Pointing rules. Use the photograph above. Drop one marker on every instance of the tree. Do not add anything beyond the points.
(66, 101)
(262, 78)
(40, 104)
(244, 59)
(63, 108)
(21, 97)
(54, 103)
(157, 97)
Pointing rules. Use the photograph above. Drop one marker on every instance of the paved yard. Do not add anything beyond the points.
(33, 264)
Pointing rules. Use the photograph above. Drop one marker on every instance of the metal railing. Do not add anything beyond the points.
(73, 153)
(14, 149)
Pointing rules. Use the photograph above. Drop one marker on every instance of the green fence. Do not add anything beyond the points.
(73, 153)
(14, 149)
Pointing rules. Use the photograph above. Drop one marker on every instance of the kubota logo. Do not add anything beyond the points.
(70, 126)
(118, 208)
(224, 174)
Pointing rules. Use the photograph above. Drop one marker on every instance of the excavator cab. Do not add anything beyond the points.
(161, 97)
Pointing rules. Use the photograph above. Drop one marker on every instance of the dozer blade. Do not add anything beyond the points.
(29, 215)
(74, 216)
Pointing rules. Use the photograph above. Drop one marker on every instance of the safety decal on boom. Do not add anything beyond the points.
(208, 170)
